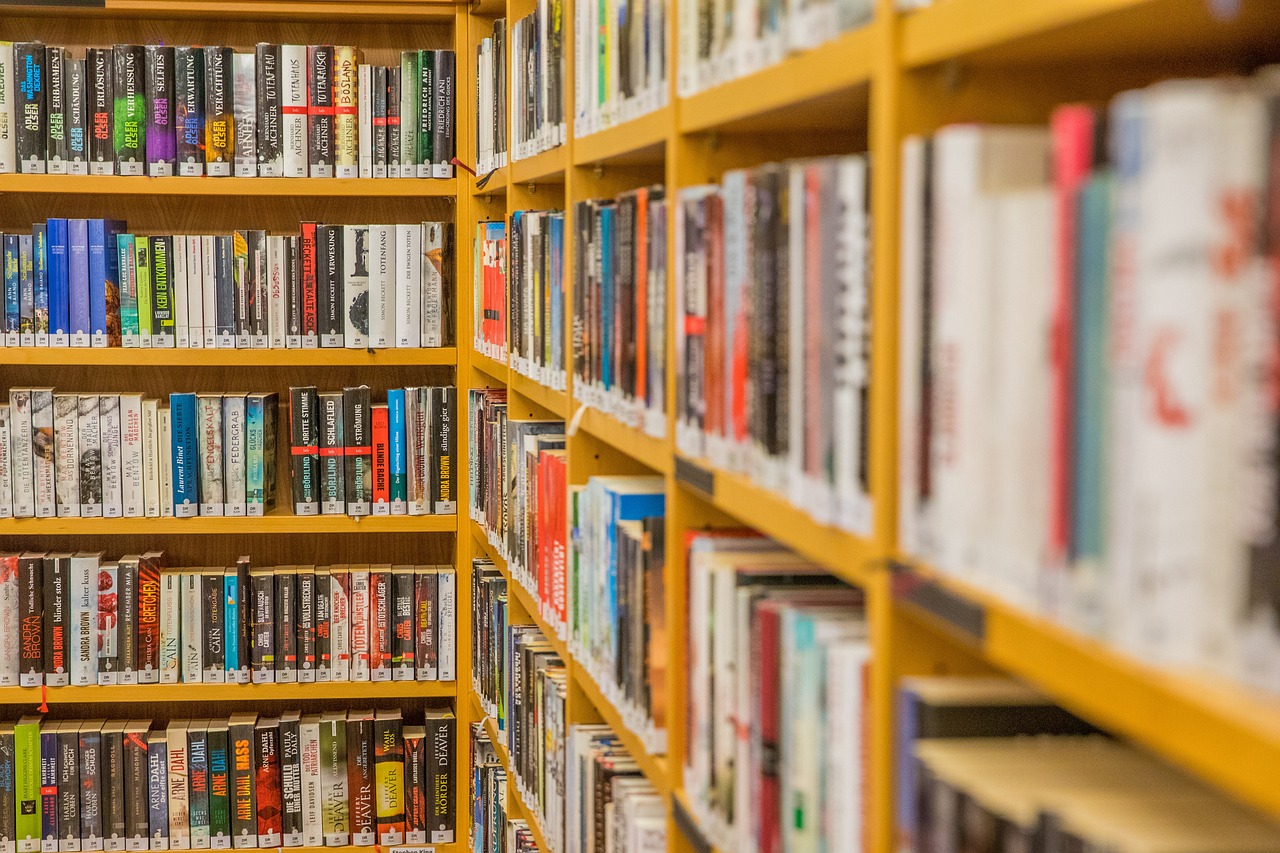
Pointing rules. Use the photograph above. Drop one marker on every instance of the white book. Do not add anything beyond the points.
(84, 618)
(192, 607)
(434, 263)
(8, 116)
(10, 643)
(294, 109)
(209, 443)
(178, 287)
(42, 451)
(151, 458)
(179, 797)
(333, 786)
(89, 429)
(408, 286)
(278, 273)
(910, 322)
(245, 100)
(340, 626)
(6, 461)
(209, 290)
(364, 114)
(382, 286)
(109, 427)
(170, 627)
(447, 596)
(233, 454)
(853, 502)
(21, 460)
(165, 459)
(131, 456)
(360, 623)
(66, 455)
(309, 748)
(355, 286)
(194, 285)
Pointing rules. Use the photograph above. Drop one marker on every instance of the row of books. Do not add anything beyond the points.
(281, 111)
(80, 619)
(538, 115)
(620, 304)
(620, 62)
(88, 282)
(491, 99)
(360, 777)
(773, 332)
(493, 829)
(722, 41)
(1097, 479)
(778, 699)
(393, 458)
(519, 482)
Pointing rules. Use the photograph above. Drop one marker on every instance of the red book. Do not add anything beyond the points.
(559, 550)
(381, 463)
(380, 623)
(1072, 127)
(308, 265)
(768, 628)
(266, 769)
(544, 502)
(149, 618)
(641, 278)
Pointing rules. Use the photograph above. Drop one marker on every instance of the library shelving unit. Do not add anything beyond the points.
(208, 205)
(864, 91)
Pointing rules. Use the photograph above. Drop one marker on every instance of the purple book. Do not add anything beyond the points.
(78, 280)
(162, 145)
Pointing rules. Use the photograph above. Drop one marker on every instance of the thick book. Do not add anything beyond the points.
(393, 121)
(66, 442)
(438, 757)
(444, 135)
(381, 492)
(83, 608)
(113, 792)
(422, 159)
(210, 446)
(213, 626)
(68, 782)
(170, 627)
(378, 120)
(415, 785)
(346, 127)
(162, 150)
(426, 614)
(59, 284)
(389, 774)
(56, 149)
(127, 612)
(262, 655)
(198, 784)
(312, 796)
(30, 76)
(320, 110)
(355, 286)
(357, 427)
(219, 785)
(188, 109)
(157, 790)
(286, 625)
(233, 454)
(290, 745)
(443, 454)
(332, 451)
(359, 610)
(130, 114)
(293, 109)
(49, 787)
(340, 622)
(409, 113)
(360, 778)
(163, 316)
(380, 605)
(329, 291)
(100, 109)
(382, 286)
(148, 659)
(76, 118)
(403, 647)
(192, 598)
(26, 737)
(244, 107)
(219, 113)
(8, 165)
(305, 449)
(270, 95)
(184, 429)
(91, 767)
(266, 766)
(57, 612)
(244, 812)
(308, 283)
(137, 802)
(179, 793)
(31, 618)
(305, 624)
(334, 791)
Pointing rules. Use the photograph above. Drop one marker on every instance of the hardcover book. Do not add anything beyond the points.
(332, 452)
(31, 618)
(210, 446)
(286, 625)
(244, 811)
(415, 786)
(357, 426)
(360, 778)
(389, 773)
(355, 286)
(129, 121)
(198, 783)
(305, 449)
(335, 814)
(219, 786)
(77, 143)
(233, 454)
(57, 612)
(189, 106)
(29, 137)
(149, 618)
(192, 586)
(267, 794)
(157, 790)
(57, 151)
(162, 151)
(291, 780)
(329, 291)
(179, 791)
(100, 70)
(245, 112)
(219, 115)
(306, 624)
(270, 95)
(320, 110)
(90, 735)
(346, 104)
(294, 110)
(214, 627)
(137, 803)
(263, 654)
(312, 794)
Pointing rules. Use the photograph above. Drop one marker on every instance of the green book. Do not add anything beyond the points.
(129, 127)
(426, 110)
(409, 101)
(128, 290)
(142, 273)
(165, 335)
(26, 750)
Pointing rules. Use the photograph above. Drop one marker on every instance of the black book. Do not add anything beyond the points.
(57, 619)
(443, 459)
(291, 779)
(188, 103)
(442, 129)
(332, 451)
(358, 427)
(306, 643)
(262, 656)
(90, 763)
(198, 808)
(224, 289)
(439, 776)
(329, 285)
(113, 800)
(426, 610)
(266, 764)
(137, 814)
(259, 283)
(378, 114)
(324, 641)
(304, 449)
(286, 618)
(293, 333)
(360, 775)
(130, 109)
(219, 785)
(100, 69)
(215, 625)
(403, 647)
(244, 624)
(270, 118)
(31, 618)
(393, 121)
(75, 94)
(219, 115)
(69, 830)
(320, 111)
(240, 752)
(161, 142)
(57, 151)
(30, 92)
(127, 643)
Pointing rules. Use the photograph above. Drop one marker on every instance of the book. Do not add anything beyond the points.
(129, 118)
(189, 109)
(219, 111)
(161, 137)
(320, 110)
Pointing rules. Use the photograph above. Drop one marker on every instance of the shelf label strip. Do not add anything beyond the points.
(688, 827)
(695, 476)
(958, 612)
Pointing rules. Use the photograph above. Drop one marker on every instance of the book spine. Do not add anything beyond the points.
(56, 149)
(355, 286)
(403, 647)
(209, 444)
(426, 610)
(415, 787)
(29, 138)
(137, 803)
(131, 459)
(48, 789)
(195, 288)
(161, 149)
(26, 737)
(89, 441)
(8, 118)
(446, 588)
(329, 295)
(222, 263)
(22, 456)
(170, 627)
(408, 286)
(192, 625)
(219, 787)
(66, 455)
(244, 106)
(358, 428)
(438, 756)
(242, 284)
(56, 606)
(332, 452)
(185, 427)
(380, 605)
(340, 622)
(360, 778)
(263, 653)
(346, 90)
(435, 245)
(126, 262)
(150, 459)
(100, 70)
(364, 132)
(128, 126)
(426, 113)
(381, 492)
(58, 294)
(77, 143)
(35, 331)
(335, 815)
(244, 603)
(293, 110)
(267, 782)
(320, 110)
(113, 795)
(382, 282)
(417, 449)
(109, 427)
(393, 122)
(279, 269)
(108, 621)
(244, 812)
(378, 120)
(324, 642)
(69, 830)
(158, 792)
(178, 288)
(148, 621)
(389, 778)
(83, 585)
(163, 331)
(90, 762)
(305, 450)
(213, 660)
(219, 114)
(78, 282)
(286, 625)
(308, 269)
(254, 444)
(291, 829)
(142, 289)
(270, 93)
(189, 105)
(443, 416)
(127, 639)
(409, 100)
(359, 624)
(31, 619)
(444, 135)
(177, 748)
(397, 476)
(198, 812)
(233, 455)
(306, 625)
(293, 292)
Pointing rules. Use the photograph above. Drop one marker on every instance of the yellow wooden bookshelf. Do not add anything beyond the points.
(981, 60)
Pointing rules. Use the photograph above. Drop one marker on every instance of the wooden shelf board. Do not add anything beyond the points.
(340, 690)
(332, 10)
(545, 168)
(114, 356)
(656, 453)
(826, 87)
(556, 402)
(641, 140)
(255, 187)
(490, 367)
(843, 554)
(654, 767)
(1078, 31)
(513, 790)
(1224, 733)
(275, 522)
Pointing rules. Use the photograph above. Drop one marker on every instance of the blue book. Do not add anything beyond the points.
(128, 284)
(399, 483)
(59, 284)
(40, 285)
(12, 278)
(183, 429)
(104, 282)
(78, 282)
(606, 296)
(626, 499)
(231, 621)
(225, 290)
(255, 496)
(158, 789)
